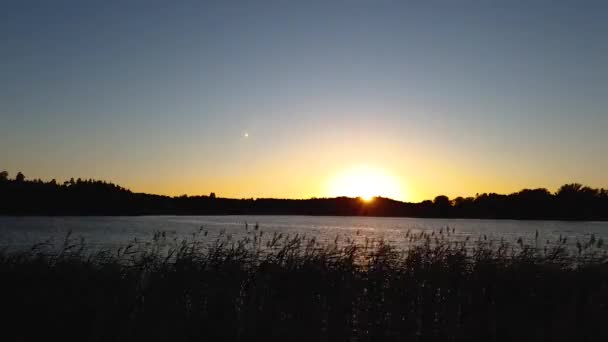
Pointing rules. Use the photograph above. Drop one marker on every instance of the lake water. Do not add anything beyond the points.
(23, 232)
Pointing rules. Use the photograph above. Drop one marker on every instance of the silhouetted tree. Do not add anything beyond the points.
(442, 201)
(442, 205)
(212, 195)
(569, 189)
(3, 176)
(20, 177)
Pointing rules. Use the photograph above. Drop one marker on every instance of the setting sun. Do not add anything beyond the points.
(366, 183)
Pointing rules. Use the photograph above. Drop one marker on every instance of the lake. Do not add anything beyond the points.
(112, 231)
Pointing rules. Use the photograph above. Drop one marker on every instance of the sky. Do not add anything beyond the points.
(298, 99)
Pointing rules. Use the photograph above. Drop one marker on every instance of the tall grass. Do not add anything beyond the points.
(293, 288)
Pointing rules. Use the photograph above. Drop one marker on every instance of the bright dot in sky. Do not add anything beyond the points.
(365, 182)
(245, 135)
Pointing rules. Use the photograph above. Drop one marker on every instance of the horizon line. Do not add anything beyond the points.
(361, 198)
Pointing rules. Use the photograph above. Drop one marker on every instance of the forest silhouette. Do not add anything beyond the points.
(19, 196)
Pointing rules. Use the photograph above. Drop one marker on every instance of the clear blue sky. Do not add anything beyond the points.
(452, 97)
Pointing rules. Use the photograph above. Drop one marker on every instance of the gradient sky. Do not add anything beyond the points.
(454, 97)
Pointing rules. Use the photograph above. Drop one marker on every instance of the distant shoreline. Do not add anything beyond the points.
(20, 197)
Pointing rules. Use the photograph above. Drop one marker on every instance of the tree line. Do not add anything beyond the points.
(20, 196)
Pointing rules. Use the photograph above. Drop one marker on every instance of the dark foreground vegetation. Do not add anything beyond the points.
(293, 289)
(19, 196)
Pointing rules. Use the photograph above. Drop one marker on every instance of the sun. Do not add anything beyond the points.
(366, 183)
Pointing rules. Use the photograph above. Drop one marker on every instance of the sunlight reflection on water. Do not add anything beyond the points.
(112, 231)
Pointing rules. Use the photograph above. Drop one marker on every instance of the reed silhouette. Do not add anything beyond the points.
(20, 196)
(281, 288)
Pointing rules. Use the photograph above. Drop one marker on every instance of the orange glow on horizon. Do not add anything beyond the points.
(366, 183)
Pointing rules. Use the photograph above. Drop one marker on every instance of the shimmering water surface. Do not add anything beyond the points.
(22, 232)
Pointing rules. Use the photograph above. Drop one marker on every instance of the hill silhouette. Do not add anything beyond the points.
(19, 196)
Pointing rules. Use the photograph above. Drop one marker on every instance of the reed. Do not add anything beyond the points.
(294, 288)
